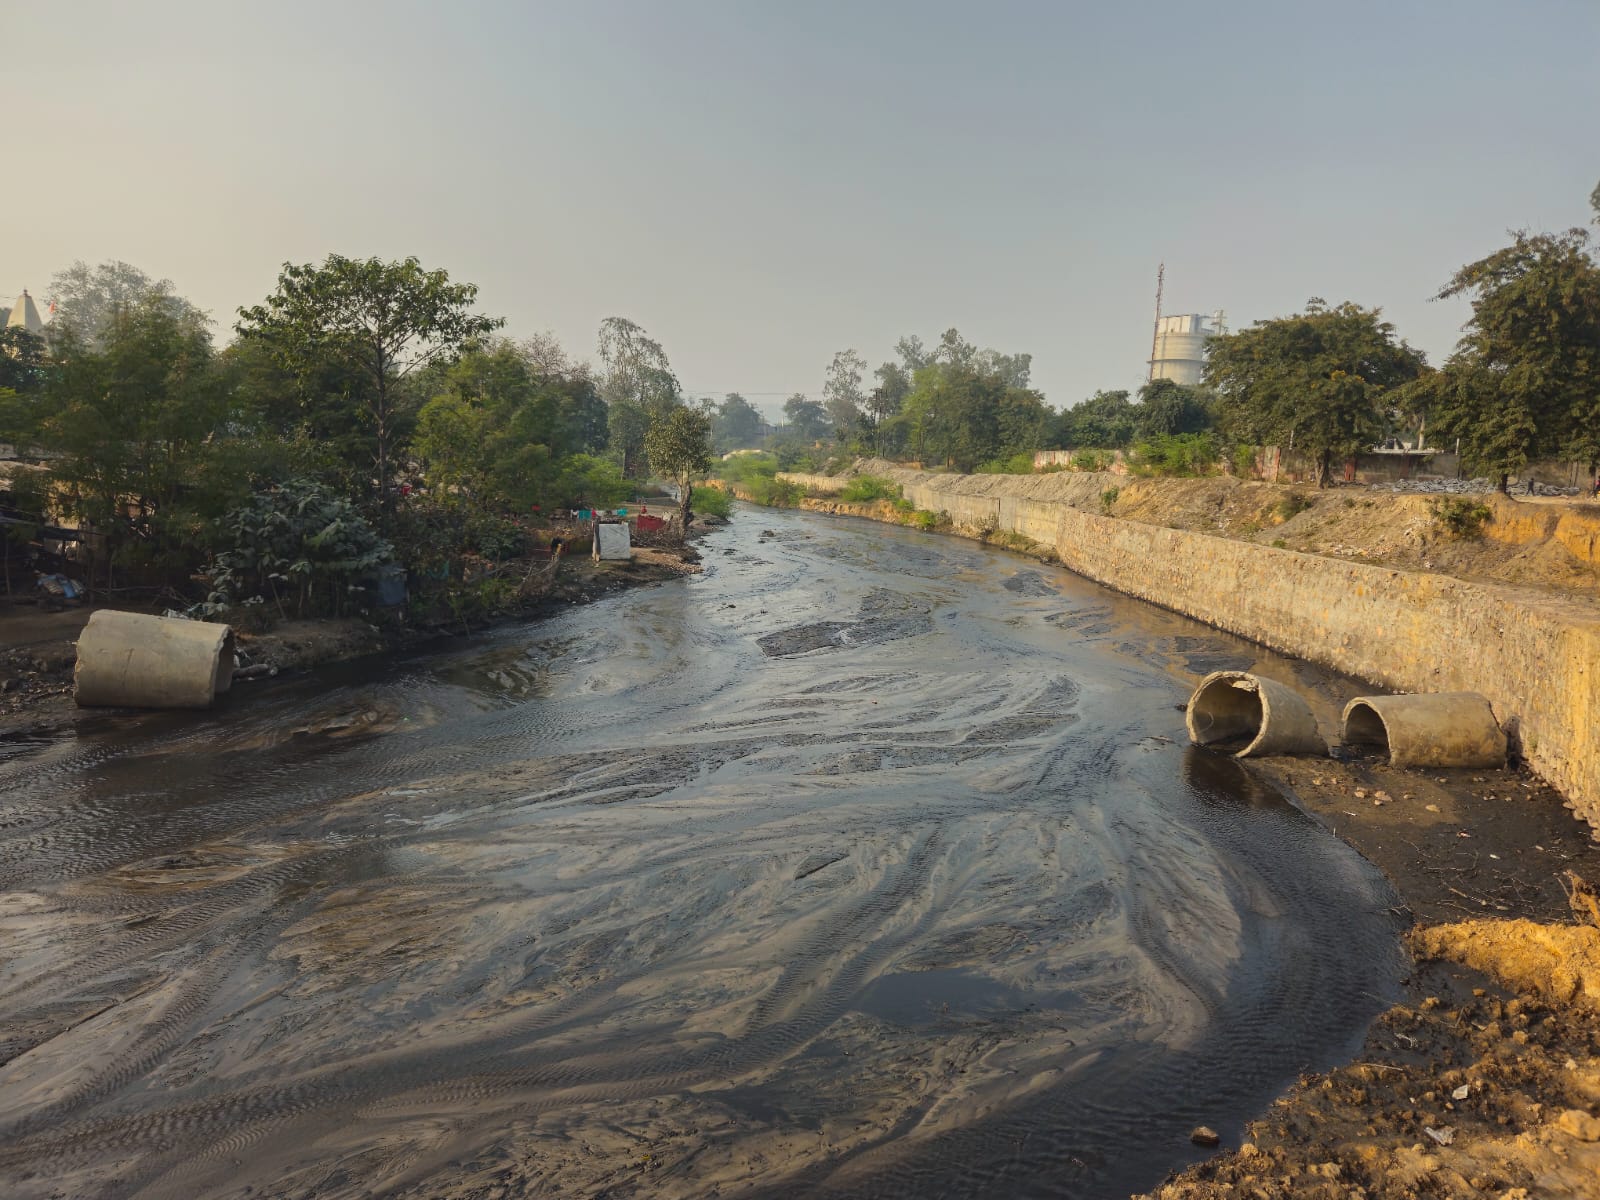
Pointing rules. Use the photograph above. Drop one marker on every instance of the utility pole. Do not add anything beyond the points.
(1155, 332)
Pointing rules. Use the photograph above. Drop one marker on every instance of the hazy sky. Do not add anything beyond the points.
(760, 184)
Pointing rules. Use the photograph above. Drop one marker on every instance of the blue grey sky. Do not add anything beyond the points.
(760, 184)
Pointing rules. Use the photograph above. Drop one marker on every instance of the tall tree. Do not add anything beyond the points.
(808, 419)
(638, 387)
(1321, 380)
(678, 444)
(842, 394)
(87, 300)
(1524, 382)
(1105, 421)
(737, 424)
(382, 321)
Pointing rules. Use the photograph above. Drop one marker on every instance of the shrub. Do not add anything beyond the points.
(775, 493)
(1461, 517)
(711, 501)
(1017, 464)
(1176, 454)
(1244, 461)
(1108, 498)
(298, 542)
(1092, 460)
(1291, 506)
(1279, 544)
(864, 488)
(923, 519)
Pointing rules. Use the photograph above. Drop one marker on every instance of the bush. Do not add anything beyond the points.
(710, 501)
(1460, 517)
(923, 519)
(1291, 506)
(1017, 464)
(1092, 460)
(299, 542)
(865, 488)
(775, 493)
(1244, 461)
(1108, 498)
(1181, 454)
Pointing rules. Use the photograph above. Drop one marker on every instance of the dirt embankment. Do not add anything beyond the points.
(1543, 544)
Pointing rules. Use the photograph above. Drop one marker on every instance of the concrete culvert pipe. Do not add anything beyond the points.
(1433, 729)
(136, 661)
(1270, 717)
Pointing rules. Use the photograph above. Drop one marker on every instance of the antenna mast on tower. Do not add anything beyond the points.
(1155, 333)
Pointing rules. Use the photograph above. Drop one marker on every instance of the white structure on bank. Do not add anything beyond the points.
(1180, 346)
(24, 314)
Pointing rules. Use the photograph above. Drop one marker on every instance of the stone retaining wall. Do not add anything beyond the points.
(1536, 657)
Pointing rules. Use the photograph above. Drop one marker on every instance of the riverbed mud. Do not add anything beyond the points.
(622, 903)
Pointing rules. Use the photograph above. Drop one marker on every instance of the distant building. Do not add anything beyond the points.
(1180, 346)
(24, 314)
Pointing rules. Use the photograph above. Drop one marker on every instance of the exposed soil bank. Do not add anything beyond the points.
(38, 649)
(1532, 653)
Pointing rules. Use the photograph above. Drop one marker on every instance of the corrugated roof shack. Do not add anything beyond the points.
(612, 542)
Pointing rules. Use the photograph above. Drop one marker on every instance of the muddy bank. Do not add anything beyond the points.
(38, 649)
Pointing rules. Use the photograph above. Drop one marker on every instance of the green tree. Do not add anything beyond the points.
(808, 419)
(1524, 382)
(379, 321)
(638, 387)
(679, 447)
(137, 427)
(1105, 421)
(841, 392)
(88, 300)
(1168, 407)
(737, 424)
(1323, 380)
(24, 361)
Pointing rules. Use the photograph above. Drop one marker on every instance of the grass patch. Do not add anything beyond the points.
(711, 501)
(865, 488)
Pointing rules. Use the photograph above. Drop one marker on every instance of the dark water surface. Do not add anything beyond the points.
(869, 863)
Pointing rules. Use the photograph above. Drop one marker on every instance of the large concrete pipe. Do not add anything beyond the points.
(1270, 716)
(1439, 729)
(136, 661)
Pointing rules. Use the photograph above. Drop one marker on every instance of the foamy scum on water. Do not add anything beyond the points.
(864, 864)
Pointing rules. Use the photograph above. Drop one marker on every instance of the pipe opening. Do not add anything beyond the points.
(1226, 710)
(1364, 727)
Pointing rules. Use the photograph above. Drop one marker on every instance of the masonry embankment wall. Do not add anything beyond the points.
(1535, 656)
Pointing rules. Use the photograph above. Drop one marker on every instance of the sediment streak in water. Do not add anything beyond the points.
(867, 863)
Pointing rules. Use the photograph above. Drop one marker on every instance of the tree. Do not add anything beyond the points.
(24, 361)
(88, 300)
(737, 424)
(679, 447)
(638, 387)
(137, 429)
(1167, 407)
(807, 419)
(500, 429)
(1524, 382)
(841, 392)
(1105, 421)
(1322, 380)
(381, 321)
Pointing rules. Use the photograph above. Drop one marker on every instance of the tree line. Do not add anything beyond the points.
(366, 407)
(1523, 384)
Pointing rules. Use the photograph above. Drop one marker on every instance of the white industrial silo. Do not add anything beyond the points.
(1180, 346)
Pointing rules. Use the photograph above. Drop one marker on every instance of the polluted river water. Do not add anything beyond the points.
(868, 862)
